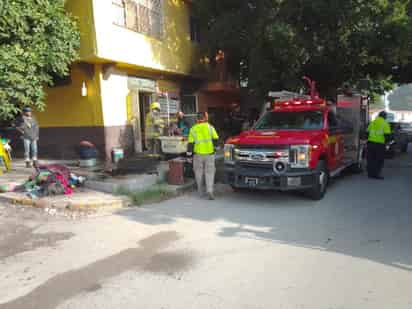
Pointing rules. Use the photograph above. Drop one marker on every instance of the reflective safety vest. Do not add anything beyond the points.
(377, 130)
(154, 125)
(202, 136)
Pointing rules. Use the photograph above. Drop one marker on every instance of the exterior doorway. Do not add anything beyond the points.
(145, 99)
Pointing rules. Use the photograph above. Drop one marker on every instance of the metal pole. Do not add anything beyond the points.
(168, 110)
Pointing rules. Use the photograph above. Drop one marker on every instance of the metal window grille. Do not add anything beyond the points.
(144, 16)
(132, 16)
(194, 30)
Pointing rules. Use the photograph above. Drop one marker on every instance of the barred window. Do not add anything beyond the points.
(194, 30)
(143, 16)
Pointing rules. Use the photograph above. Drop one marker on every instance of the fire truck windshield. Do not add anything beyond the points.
(304, 120)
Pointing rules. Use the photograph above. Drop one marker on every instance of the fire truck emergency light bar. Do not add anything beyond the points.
(298, 103)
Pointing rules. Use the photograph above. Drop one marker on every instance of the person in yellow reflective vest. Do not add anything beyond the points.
(154, 127)
(203, 140)
(378, 131)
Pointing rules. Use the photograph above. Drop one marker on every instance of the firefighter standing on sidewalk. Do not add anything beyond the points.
(154, 128)
(378, 131)
(203, 141)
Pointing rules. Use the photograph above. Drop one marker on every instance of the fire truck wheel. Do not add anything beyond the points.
(318, 192)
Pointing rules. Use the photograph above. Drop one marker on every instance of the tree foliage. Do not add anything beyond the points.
(273, 43)
(38, 41)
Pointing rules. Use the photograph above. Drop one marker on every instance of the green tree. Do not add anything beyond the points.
(38, 41)
(333, 41)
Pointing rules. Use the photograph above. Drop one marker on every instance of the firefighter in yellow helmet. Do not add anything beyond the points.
(154, 128)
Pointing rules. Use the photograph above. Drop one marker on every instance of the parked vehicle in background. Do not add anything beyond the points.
(406, 128)
(399, 140)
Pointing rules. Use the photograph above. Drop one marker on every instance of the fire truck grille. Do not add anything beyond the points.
(261, 155)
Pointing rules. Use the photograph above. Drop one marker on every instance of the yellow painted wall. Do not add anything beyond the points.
(102, 41)
(175, 53)
(65, 107)
(82, 11)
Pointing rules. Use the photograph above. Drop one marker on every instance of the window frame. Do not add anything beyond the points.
(150, 28)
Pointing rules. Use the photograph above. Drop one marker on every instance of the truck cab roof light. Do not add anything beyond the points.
(298, 103)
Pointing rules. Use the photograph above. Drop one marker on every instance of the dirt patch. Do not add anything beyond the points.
(20, 238)
(169, 262)
(87, 279)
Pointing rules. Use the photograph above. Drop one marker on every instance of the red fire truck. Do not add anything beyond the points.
(299, 144)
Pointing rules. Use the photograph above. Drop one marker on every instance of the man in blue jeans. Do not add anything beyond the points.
(29, 128)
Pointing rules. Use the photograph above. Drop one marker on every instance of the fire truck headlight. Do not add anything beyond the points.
(300, 156)
(228, 153)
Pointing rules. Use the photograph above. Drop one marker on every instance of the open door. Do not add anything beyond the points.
(136, 122)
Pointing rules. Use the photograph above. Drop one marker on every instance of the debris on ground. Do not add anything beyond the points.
(48, 180)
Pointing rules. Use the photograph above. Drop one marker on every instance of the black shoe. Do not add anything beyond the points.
(376, 177)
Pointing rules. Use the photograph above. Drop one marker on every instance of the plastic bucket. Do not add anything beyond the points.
(117, 154)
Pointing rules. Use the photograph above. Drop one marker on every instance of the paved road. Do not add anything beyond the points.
(252, 250)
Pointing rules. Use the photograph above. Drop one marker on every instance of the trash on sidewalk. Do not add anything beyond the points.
(48, 180)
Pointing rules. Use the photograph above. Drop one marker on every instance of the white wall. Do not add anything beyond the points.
(114, 93)
(174, 53)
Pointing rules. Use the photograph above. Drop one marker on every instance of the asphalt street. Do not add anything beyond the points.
(351, 250)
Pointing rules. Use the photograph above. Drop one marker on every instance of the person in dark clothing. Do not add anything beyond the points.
(28, 126)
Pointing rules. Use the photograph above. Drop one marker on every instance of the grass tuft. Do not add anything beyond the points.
(155, 194)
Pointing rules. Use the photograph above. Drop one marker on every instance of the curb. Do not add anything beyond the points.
(68, 205)
(187, 187)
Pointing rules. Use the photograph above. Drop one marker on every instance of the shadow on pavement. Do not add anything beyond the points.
(359, 217)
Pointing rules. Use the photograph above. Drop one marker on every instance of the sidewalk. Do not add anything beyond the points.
(99, 191)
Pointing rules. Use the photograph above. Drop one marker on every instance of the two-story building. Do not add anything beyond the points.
(132, 52)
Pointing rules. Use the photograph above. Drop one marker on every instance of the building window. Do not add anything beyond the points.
(143, 16)
(194, 30)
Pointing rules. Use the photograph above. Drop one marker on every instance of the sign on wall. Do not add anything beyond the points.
(141, 84)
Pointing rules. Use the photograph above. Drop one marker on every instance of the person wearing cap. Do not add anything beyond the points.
(154, 127)
(29, 128)
(378, 132)
(203, 140)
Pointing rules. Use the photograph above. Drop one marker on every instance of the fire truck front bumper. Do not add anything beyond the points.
(264, 178)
